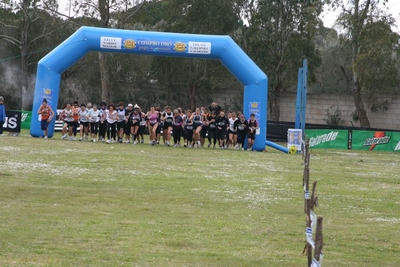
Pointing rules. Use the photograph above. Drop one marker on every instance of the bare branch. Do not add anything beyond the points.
(132, 14)
(348, 79)
(204, 72)
(364, 12)
(61, 14)
(41, 36)
(11, 40)
(91, 5)
(33, 20)
(267, 46)
(8, 26)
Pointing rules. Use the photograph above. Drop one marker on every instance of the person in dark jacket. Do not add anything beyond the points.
(2, 114)
(215, 107)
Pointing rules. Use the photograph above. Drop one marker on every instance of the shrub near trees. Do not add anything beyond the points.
(276, 34)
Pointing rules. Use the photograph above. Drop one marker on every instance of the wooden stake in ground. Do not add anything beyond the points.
(318, 239)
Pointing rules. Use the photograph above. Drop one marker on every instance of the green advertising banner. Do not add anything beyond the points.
(376, 141)
(325, 138)
(26, 118)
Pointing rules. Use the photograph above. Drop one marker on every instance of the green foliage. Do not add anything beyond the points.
(333, 116)
(279, 35)
(334, 75)
(379, 105)
(375, 63)
(30, 32)
(367, 32)
(194, 79)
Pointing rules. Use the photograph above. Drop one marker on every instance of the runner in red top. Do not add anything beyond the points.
(47, 115)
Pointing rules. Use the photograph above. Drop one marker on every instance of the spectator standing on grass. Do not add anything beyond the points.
(47, 115)
(2, 114)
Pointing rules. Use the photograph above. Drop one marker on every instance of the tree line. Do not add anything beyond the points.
(360, 60)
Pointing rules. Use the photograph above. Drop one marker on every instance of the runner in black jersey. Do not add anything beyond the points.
(167, 117)
(102, 122)
(212, 129)
(121, 121)
(177, 128)
(128, 123)
(253, 126)
(204, 127)
(142, 126)
(152, 123)
(135, 120)
(159, 127)
(222, 127)
(188, 129)
(197, 124)
(242, 128)
(215, 107)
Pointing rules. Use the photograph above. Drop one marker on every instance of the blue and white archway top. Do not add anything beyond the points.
(88, 39)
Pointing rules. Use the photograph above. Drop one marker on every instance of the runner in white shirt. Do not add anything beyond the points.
(67, 115)
(111, 119)
(121, 112)
(83, 122)
(232, 137)
(94, 118)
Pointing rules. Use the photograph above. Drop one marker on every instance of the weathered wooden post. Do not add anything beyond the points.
(310, 202)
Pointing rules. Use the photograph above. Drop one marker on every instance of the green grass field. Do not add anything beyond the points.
(66, 203)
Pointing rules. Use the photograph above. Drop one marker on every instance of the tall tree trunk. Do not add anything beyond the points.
(274, 103)
(104, 10)
(358, 21)
(105, 79)
(362, 114)
(192, 97)
(24, 71)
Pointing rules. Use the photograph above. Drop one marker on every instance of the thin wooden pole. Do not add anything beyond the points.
(308, 224)
(318, 239)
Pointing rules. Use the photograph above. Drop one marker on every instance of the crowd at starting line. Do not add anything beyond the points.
(110, 124)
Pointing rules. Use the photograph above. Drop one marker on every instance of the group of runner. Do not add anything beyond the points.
(110, 123)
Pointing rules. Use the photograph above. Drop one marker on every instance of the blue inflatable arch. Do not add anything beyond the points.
(88, 39)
